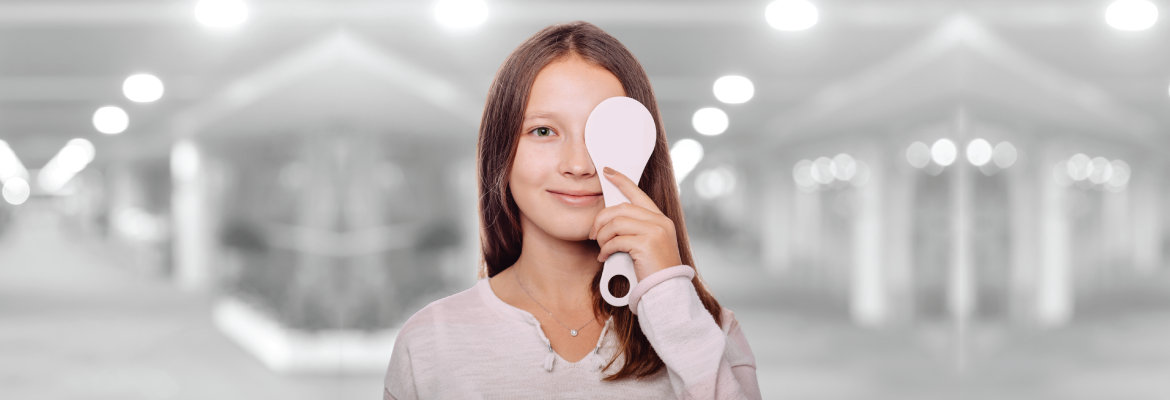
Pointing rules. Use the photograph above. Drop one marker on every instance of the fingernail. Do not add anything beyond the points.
(608, 171)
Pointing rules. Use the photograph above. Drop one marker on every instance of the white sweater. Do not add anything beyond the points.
(474, 345)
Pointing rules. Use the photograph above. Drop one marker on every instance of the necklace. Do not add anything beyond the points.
(571, 330)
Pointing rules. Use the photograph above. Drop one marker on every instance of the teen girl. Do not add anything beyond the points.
(535, 326)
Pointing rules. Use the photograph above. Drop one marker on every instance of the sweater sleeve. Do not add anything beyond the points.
(703, 360)
(399, 381)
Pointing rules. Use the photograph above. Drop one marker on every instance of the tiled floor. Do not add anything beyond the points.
(76, 325)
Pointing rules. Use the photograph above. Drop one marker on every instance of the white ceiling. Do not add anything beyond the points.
(307, 64)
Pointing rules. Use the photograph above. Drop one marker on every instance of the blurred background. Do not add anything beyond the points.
(902, 199)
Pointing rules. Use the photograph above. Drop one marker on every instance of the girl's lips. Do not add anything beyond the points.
(576, 201)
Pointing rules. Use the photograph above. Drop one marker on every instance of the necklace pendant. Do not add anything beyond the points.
(573, 332)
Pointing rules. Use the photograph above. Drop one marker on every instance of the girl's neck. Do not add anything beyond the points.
(558, 272)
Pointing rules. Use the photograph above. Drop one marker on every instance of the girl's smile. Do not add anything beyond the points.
(576, 198)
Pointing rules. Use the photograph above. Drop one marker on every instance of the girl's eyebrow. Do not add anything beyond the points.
(540, 114)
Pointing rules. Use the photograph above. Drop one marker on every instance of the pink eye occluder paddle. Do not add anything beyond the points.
(619, 134)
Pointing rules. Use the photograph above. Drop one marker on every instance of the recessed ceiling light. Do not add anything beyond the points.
(142, 88)
(979, 152)
(943, 152)
(685, 155)
(734, 89)
(110, 120)
(791, 15)
(461, 14)
(221, 13)
(710, 121)
(1131, 15)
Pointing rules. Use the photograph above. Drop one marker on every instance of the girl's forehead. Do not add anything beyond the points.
(570, 87)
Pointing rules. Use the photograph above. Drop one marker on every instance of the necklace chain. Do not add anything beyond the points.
(571, 330)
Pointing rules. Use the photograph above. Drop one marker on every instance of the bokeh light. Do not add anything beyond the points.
(822, 170)
(16, 190)
(844, 167)
(734, 89)
(1120, 176)
(979, 152)
(685, 154)
(943, 152)
(10, 165)
(791, 15)
(1131, 15)
(142, 88)
(715, 182)
(1078, 167)
(1004, 154)
(918, 154)
(710, 121)
(72, 158)
(461, 14)
(1100, 170)
(802, 174)
(111, 120)
(221, 13)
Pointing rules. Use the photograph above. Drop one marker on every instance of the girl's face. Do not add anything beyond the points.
(553, 179)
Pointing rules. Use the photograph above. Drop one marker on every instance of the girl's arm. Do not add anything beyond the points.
(703, 360)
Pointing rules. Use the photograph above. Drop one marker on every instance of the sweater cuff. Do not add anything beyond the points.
(654, 279)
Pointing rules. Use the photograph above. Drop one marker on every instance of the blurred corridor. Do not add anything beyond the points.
(898, 199)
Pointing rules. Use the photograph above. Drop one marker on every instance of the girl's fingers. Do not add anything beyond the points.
(625, 210)
(630, 189)
(628, 244)
(621, 226)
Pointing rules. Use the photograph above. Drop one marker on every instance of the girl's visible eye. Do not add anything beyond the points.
(542, 131)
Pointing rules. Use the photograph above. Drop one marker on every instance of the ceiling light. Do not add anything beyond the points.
(461, 14)
(16, 191)
(979, 152)
(943, 152)
(844, 167)
(1101, 170)
(1079, 167)
(918, 154)
(221, 13)
(802, 174)
(1120, 175)
(710, 121)
(791, 15)
(110, 120)
(1131, 15)
(685, 155)
(1004, 154)
(715, 182)
(822, 170)
(734, 89)
(142, 88)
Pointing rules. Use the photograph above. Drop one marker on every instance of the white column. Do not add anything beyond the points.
(1148, 226)
(1024, 194)
(868, 300)
(1054, 300)
(897, 236)
(776, 219)
(961, 283)
(1116, 230)
(193, 238)
(806, 229)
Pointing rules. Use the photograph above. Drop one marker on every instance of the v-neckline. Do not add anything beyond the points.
(518, 314)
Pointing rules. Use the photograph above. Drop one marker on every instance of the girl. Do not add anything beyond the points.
(535, 326)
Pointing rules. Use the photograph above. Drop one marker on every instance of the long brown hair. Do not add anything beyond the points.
(501, 235)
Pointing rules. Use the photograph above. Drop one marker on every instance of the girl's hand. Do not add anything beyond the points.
(639, 229)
